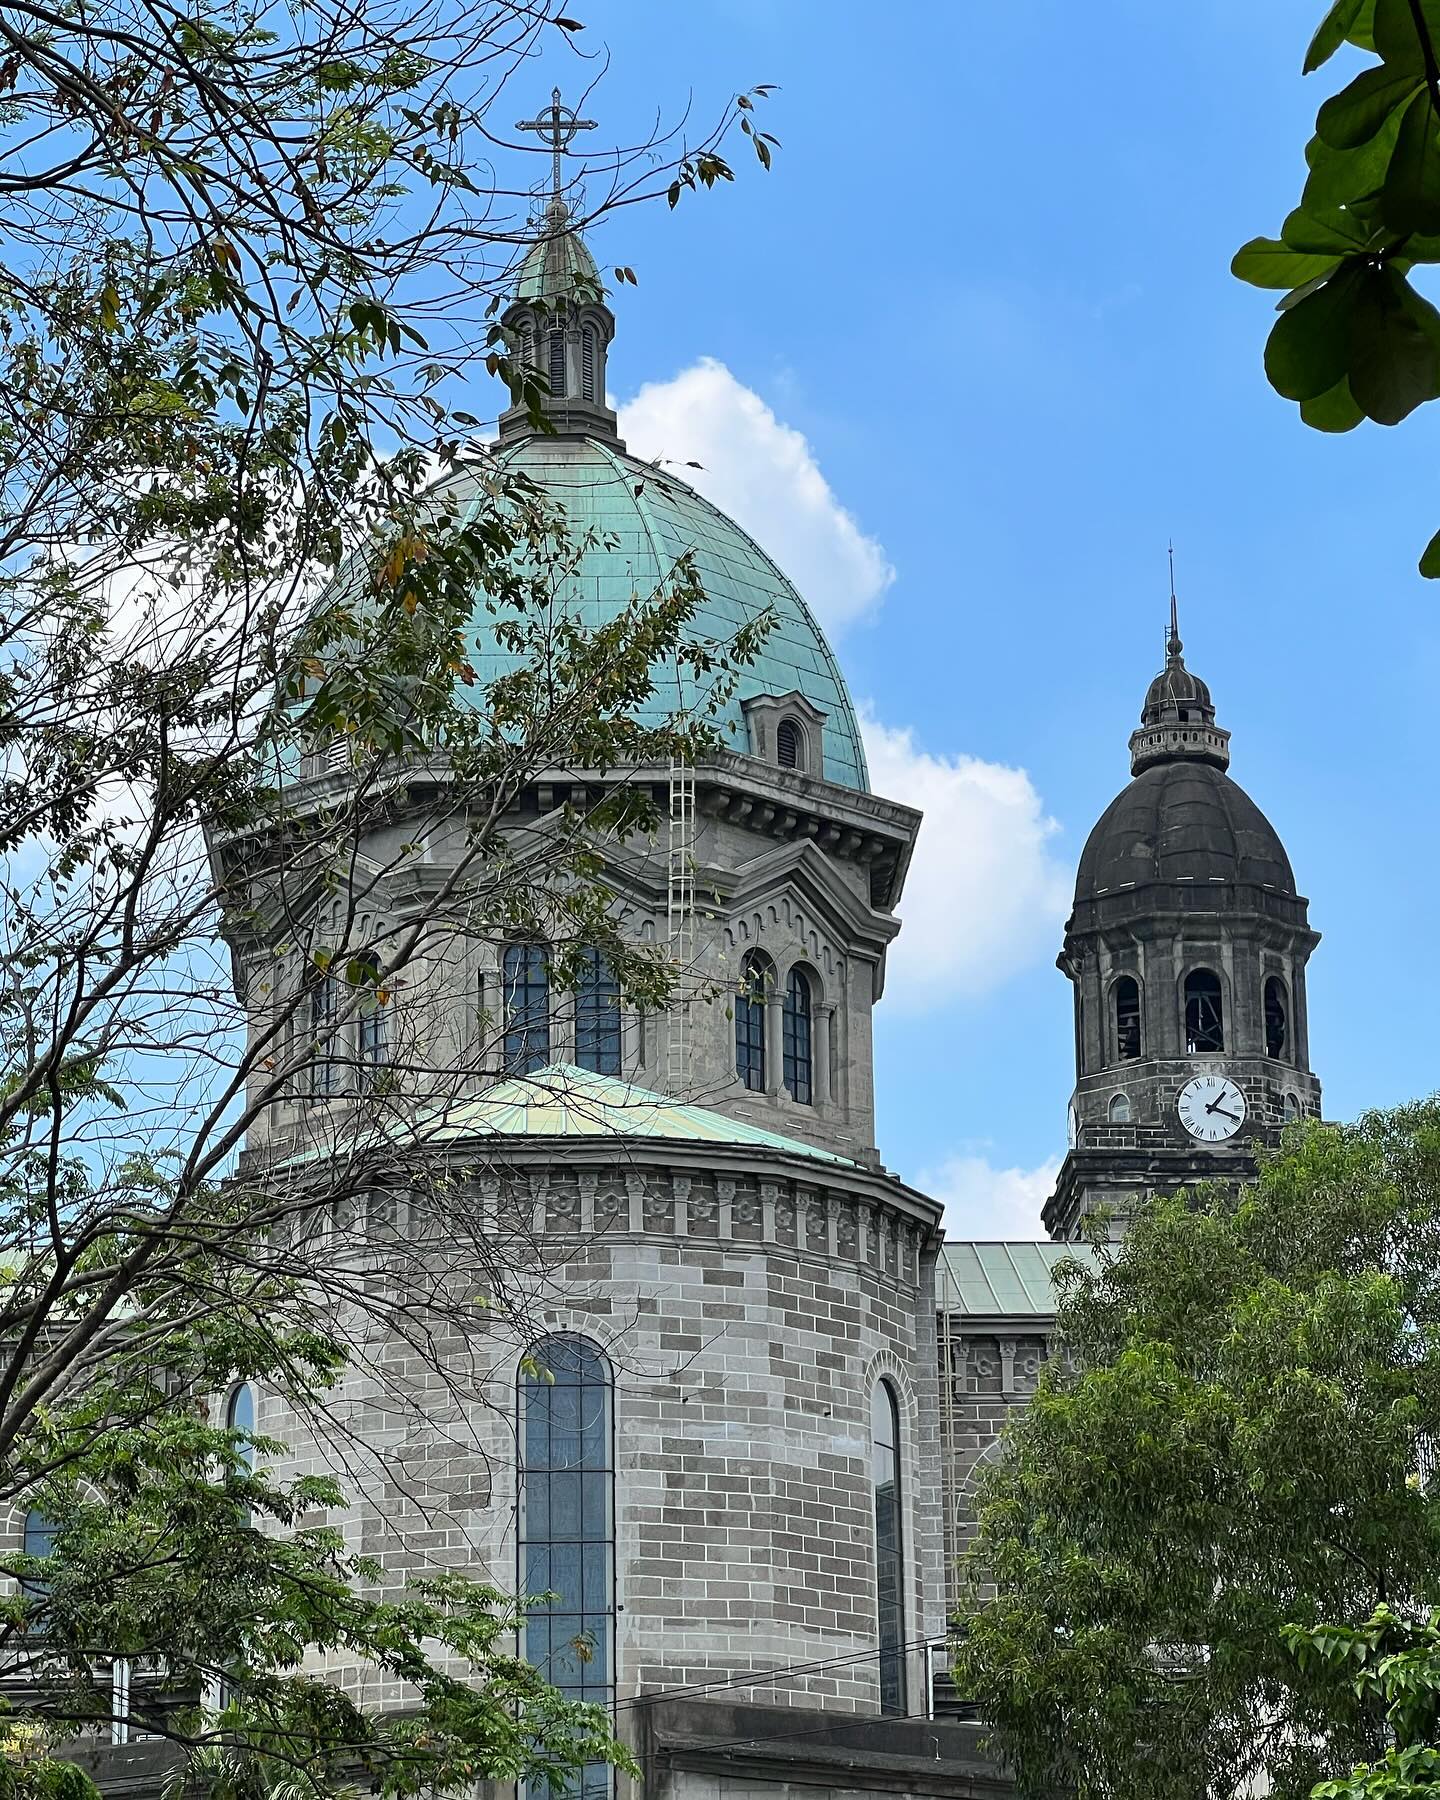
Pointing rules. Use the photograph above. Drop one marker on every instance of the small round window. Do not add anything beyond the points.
(789, 745)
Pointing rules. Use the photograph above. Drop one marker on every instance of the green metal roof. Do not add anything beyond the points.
(562, 1101)
(1010, 1280)
(559, 265)
(648, 519)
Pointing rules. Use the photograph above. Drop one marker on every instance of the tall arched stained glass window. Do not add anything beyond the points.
(889, 1547)
(597, 1017)
(799, 1065)
(567, 1526)
(372, 1038)
(757, 978)
(324, 1067)
(525, 1001)
(240, 1416)
(39, 1541)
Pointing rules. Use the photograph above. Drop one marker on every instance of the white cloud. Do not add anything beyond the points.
(764, 475)
(983, 1202)
(984, 896)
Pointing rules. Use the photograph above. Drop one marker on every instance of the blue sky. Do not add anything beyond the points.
(988, 283)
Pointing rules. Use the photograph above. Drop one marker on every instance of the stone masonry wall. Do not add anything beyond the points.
(747, 1317)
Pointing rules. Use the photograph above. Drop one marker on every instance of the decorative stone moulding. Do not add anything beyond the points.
(818, 1215)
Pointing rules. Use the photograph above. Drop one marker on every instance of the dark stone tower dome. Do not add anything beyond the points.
(1182, 821)
(1187, 949)
(1182, 818)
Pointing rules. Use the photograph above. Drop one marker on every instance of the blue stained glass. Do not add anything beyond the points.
(564, 1506)
(566, 1530)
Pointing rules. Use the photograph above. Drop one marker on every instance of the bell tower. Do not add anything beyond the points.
(1186, 950)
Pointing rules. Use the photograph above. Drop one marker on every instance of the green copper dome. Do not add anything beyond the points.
(558, 266)
(649, 519)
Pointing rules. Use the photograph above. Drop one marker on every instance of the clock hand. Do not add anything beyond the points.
(1214, 1105)
(1233, 1117)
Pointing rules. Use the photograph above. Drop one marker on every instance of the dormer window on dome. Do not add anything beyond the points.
(787, 730)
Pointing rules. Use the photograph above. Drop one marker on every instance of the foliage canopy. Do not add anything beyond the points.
(1240, 1445)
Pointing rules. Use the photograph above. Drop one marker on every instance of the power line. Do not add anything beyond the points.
(767, 1678)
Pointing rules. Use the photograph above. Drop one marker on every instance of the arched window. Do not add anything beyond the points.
(371, 1029)
(798, 1064)
(1118, 1111)
(240, 1416)
(889, 1547)
(1277, 1018)
(587, 363)
(525, 1006)
(324, 1068)
(1126, 1000)
(1290, 1109)
(1204, 1013)
(557, 362)
(789, 745)
(527, 348)
(757, 981)
(597, 1017)
(39, 1541)
(567, 1524)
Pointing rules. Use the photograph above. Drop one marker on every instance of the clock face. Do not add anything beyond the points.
(1074, 1124)
(1211, 1108)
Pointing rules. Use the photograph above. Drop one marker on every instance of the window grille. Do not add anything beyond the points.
(756, 983)
(567, 1527)
(557, 362)
(798, 1063)
(1204, 1013)
(372, 1026)
(525, 992)
(788, 746)
(587, 363)
(324, 1069)
(597, 1017)
(1277, 1018)
(889, 1547)
(1127, 1019)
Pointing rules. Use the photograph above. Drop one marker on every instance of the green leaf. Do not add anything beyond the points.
(1396, 37)
(1411, 198)
(1331, 34)
(1345, 178)
(1394, 365)
(1324, 234)
(1308, 350)
(1356, 113)
(1332, 411)
(1267, 263)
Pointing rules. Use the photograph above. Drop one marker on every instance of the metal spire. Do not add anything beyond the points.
(1173, 646)
(556, 127)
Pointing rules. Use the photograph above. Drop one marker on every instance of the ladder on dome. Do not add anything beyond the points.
(680, 921)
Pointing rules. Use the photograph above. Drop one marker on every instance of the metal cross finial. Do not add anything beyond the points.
(556, 126)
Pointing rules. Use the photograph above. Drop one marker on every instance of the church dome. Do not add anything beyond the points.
(642, 520)
(1184, 820)
(632, 521)
(1174, 691)
(557, 266)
